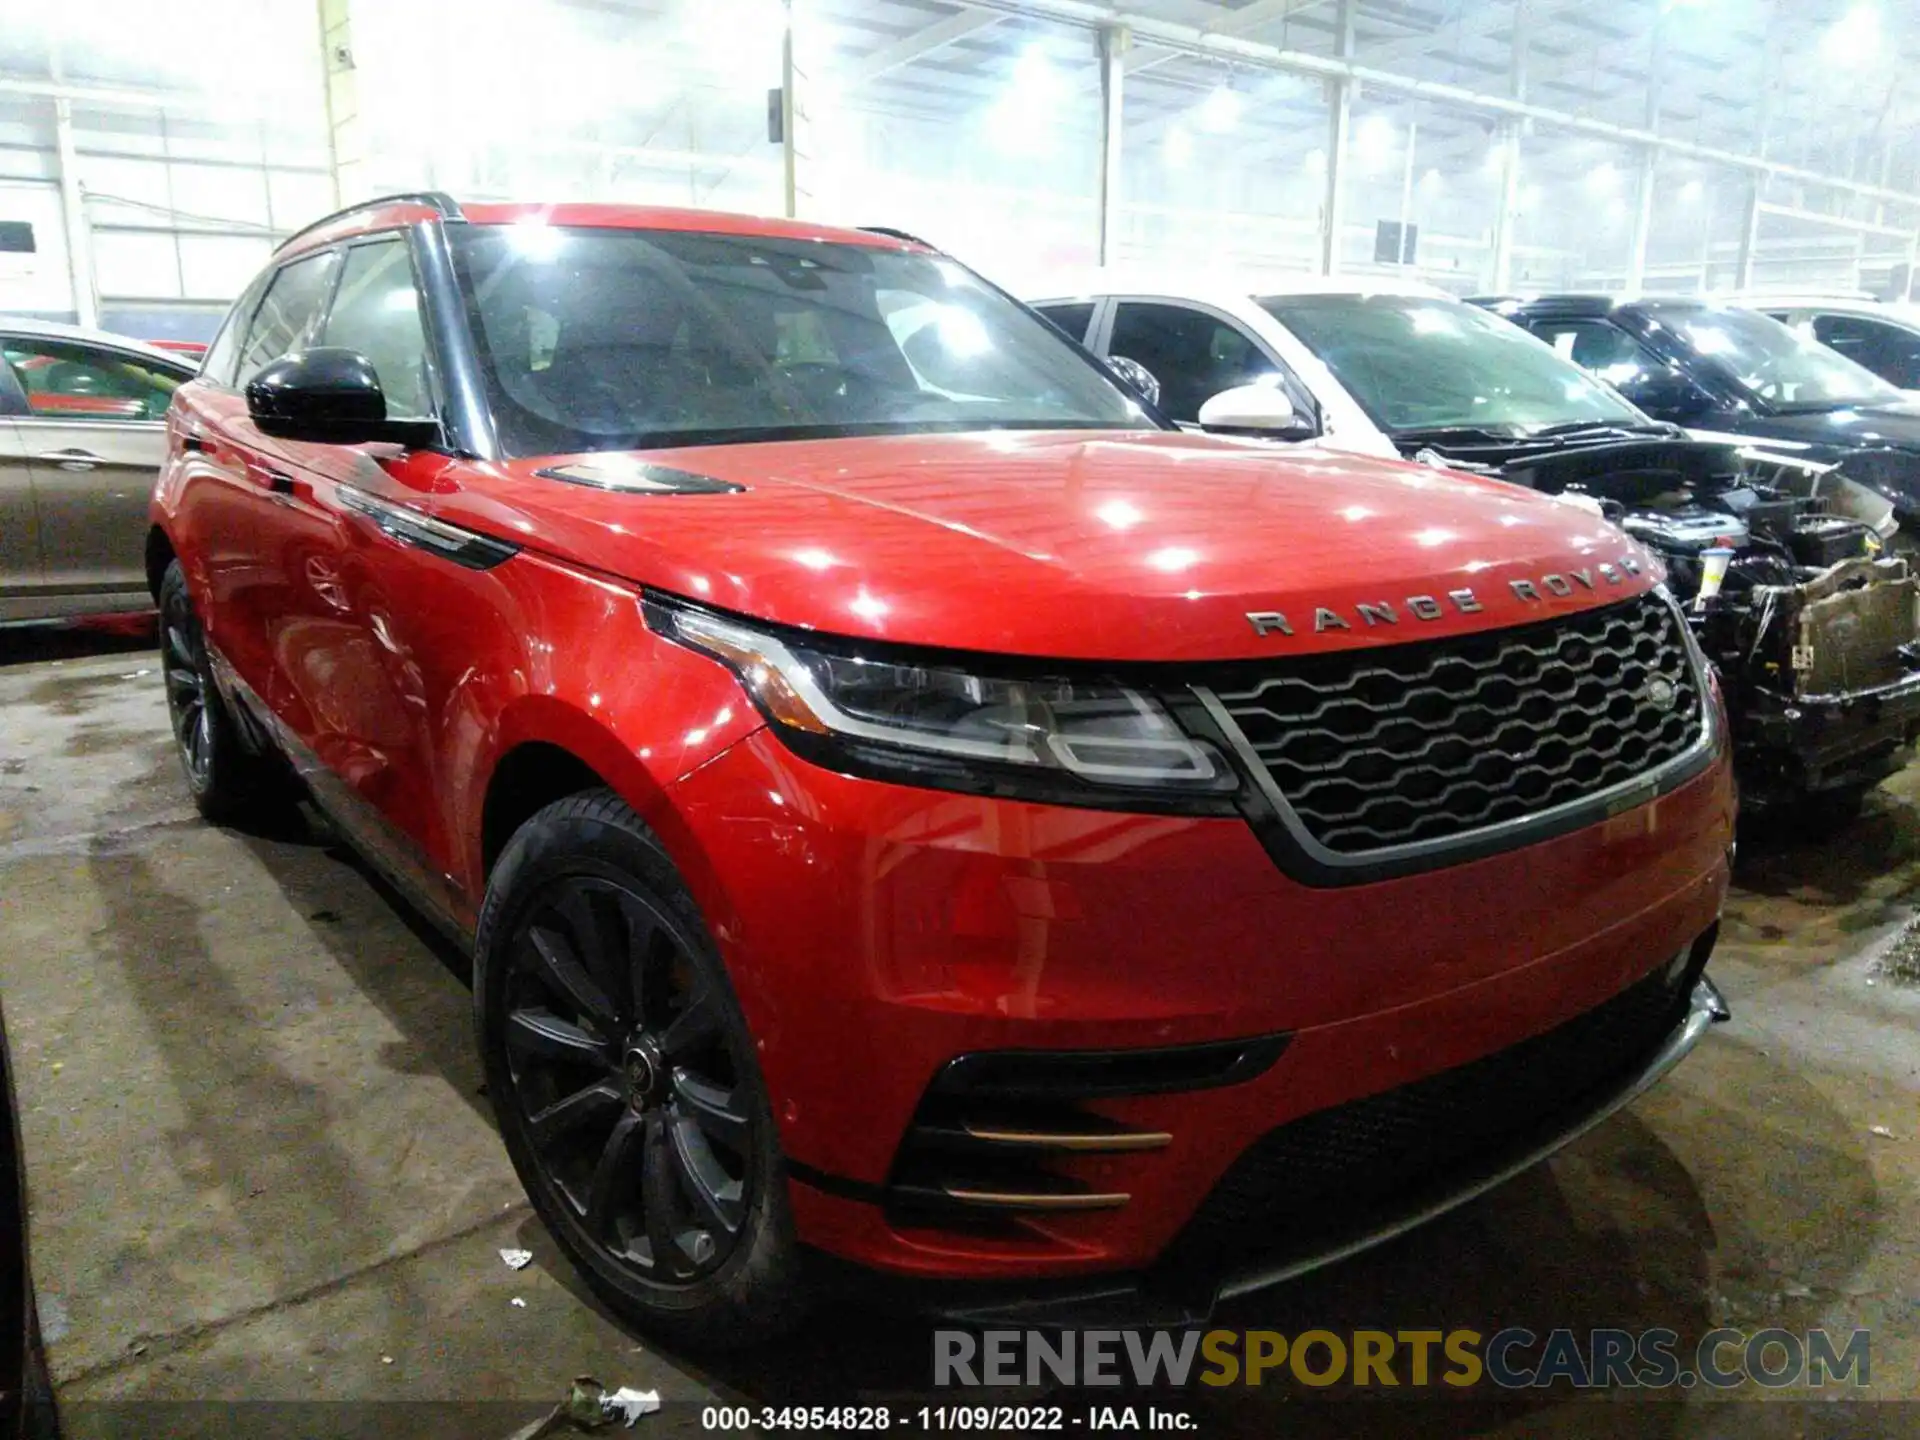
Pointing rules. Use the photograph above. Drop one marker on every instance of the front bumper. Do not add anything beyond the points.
(877, 932)
(1825, 742)
(1161, 1300)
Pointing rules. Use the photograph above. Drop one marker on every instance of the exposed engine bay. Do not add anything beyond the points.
(1783, 568)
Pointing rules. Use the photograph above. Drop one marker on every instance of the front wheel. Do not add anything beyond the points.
(623, 1076)
(229, 783)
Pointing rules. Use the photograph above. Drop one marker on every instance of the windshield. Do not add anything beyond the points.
(606, 339)
(1416, 364)
(1784, 369)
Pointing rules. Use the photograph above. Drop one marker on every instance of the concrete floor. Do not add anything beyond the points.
(262, 1170)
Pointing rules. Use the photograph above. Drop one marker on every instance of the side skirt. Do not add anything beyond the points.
(389, 850)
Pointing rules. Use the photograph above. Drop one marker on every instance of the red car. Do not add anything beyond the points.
(909, 804)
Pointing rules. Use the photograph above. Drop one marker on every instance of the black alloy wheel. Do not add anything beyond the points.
(627, 1083)
(230, 783)
(623, 1078)
(183, 652)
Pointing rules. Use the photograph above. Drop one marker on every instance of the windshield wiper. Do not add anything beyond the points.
(1574, 428)
(1454, 434)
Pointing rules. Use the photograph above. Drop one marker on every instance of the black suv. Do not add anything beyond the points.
(1719, 369)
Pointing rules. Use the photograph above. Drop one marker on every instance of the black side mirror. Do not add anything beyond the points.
(329, 395)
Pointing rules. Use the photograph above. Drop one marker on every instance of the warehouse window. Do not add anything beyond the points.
(288, 314)
(377, 312)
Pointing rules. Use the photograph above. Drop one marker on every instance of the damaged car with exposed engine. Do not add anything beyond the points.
(1783, 561)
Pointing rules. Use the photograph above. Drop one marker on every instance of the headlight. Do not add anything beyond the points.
(1070, 741)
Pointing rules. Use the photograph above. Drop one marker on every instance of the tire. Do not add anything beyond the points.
(625, 1083)
(230, 784)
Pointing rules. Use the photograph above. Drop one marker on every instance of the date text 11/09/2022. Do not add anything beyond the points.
(984, 1419)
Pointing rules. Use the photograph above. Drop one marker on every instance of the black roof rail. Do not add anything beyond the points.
(892, 234)
(439, 200)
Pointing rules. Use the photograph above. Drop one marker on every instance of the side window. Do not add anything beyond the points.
(1891, 352)
(64, 381)
(221, 357)
(1071, 320)
(377, 312)
(1193, 355)
(288, 314)
(1601, 348)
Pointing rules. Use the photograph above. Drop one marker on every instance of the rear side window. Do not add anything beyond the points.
(377, 312)
(1889, 351)
(289, 312)
(1072, 319)
(1597, 346)
(64, 381)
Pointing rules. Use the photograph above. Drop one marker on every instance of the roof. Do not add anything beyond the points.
(1905, 312)
(1225, 288)
(1596, 305)
(55, 330)
(388, 212)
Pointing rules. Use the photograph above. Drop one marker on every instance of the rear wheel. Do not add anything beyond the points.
(623, 1077)
(229, 782)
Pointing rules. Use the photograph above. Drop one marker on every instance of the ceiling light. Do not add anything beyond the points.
(1603, 177)
(1373, 141)
(1855, 37)
(1177, 148)
(1220, 111)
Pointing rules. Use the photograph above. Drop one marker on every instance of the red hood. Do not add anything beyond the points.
(1104, 546)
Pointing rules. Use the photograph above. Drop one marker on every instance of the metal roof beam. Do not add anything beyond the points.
(1196, 40)
(925, 41)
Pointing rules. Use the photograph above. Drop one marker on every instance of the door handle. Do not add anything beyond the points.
(73, 459)
(279, 484)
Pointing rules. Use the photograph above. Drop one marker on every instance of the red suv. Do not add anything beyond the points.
(910, 804)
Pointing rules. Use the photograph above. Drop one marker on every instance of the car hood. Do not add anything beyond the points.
(1107, 545)
(1880, 447)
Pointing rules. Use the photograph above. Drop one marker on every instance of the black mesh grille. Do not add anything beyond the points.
(1383, 747)
(1329, 1166)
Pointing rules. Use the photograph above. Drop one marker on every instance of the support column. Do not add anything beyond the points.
(1749, 233)
(1649, 158)
(1114, 42)
(1642, 222)
(73, 213)
(1506, 221)
(1339, 133)
(346, 143)
(1406, 185)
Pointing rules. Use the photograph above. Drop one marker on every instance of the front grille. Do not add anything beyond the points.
(1384, 747)
(1329, 1166)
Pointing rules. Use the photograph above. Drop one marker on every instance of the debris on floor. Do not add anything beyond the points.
(516, 1259)
(588, 1407)
(1884, 1133)
(518, 1303)
(1900, 961)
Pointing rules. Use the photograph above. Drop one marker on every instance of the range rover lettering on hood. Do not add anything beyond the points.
(1559, 584)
